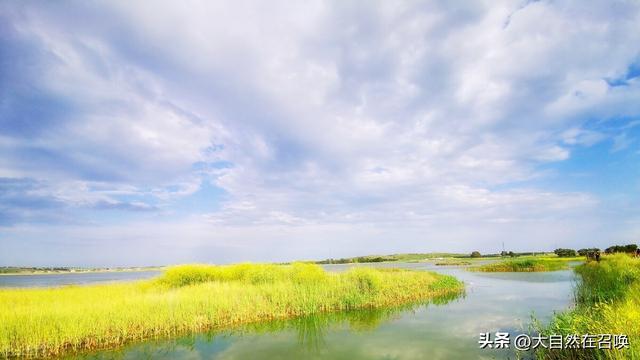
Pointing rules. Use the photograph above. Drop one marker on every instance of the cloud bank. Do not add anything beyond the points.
(212, 131)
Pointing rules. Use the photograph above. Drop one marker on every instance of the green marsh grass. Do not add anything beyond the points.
(607, 302)
(194, 298)
(453, 263)
(523, 265)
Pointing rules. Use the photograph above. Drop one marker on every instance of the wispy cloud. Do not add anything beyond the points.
(431, 124)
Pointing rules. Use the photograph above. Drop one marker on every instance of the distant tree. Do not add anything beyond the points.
(587, 251)
(565, 252)
(475, 254)
(631, 248)
(511, 253)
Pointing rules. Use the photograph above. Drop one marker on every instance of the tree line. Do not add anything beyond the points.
(630, 248)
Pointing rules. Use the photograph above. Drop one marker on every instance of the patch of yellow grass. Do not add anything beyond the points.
(190, 298)
(608, 302)
(522, 265)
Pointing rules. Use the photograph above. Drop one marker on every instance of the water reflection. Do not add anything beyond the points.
(49, 280)
(310, 332)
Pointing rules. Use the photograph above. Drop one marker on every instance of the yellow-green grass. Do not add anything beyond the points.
(607, 302)
(553, 257)
(191, 298)
(545, 257)
(453, 263)
(542, 256)
(523, 265)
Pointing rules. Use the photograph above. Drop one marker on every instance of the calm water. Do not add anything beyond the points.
(493, 302)
(46, 280)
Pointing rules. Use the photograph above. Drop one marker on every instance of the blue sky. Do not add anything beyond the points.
(161, 132)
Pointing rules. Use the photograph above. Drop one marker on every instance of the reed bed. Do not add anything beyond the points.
(525, 265)
(193, 298)
(607, 302)
(453, 263)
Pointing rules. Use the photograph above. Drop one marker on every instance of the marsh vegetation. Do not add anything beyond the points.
(453, 263)
(523, 265)
(193, 298)
(607, 302)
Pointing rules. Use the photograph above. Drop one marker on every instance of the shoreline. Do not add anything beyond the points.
(103, 271)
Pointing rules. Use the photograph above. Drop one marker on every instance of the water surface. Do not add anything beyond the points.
(48, 280)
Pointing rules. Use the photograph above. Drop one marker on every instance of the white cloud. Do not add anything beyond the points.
(380, 114)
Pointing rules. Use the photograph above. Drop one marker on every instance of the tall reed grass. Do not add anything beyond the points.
(525, 265)
(607, 302)
(192, 298)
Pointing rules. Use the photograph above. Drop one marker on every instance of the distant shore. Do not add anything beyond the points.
(393, 258)
(45, 271)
